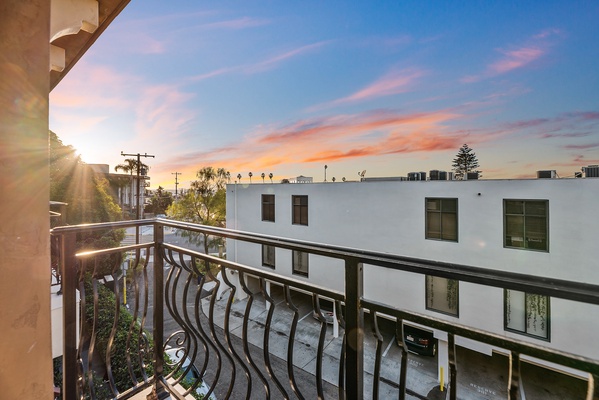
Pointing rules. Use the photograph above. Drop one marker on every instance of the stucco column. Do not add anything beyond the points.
(25, 342)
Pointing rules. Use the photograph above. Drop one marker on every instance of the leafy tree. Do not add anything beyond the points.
(464, 162)
(73, 182)
(204, 203)
(160, 201)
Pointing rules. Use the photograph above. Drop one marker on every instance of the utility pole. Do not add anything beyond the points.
(137, 167)
(176, 183)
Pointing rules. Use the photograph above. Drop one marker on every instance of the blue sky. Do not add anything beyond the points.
(388, 87)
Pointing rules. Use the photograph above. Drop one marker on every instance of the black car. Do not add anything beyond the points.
(419, 340)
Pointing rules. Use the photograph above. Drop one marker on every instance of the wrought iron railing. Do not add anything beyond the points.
(168, 307)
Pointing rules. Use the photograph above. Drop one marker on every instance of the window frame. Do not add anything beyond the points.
(525, 332)
(441, 212)
(265, 260)
(426, 297)
(269, 207)
(302, 210)
(524, 215)
(294, 268)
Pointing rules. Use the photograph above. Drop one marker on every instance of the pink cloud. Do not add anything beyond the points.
(333, 138)
(516, 59)
(162, 109)
(392, 83)
(92, 84)
(581, 146)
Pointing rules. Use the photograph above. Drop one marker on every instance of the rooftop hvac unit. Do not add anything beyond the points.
(547, 174)
(592, 171)
(470, 176)
(436, 175)
(416, 176)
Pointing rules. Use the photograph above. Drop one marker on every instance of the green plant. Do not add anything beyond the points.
(130, 339)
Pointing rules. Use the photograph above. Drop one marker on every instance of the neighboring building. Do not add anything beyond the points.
(542, 227)
(301, 179)
(123, 187)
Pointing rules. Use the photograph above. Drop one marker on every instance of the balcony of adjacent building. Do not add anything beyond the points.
(162, 320)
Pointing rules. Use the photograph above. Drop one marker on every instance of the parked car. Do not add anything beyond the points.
(419, 340)
(192, 375)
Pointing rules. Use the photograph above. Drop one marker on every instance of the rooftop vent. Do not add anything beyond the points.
(547, 174)
(592, 171)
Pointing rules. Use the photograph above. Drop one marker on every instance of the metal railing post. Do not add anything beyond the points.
(69, 272)
(354, 330)
(158, 323)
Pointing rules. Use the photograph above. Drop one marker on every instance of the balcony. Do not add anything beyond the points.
(241, 328)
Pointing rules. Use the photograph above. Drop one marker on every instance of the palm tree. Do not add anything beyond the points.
(131, 166)
(263, 175)
(250, 175)
(270, 176)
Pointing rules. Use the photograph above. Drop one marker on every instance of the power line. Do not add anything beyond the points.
(176, 182)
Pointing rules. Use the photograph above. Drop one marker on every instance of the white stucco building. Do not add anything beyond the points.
(542, 227)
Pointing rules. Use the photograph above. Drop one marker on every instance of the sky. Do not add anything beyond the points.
(287, 88)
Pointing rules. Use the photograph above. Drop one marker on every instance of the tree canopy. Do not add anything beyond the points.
(464, 162)
(160, 201)
(73, 182)
(204, 203)
(130, 165)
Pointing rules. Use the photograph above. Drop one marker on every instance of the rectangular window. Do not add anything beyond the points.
(526, 313)
(268, 256)
(442, 219)
(300, 209)
(268, 207)
(525, 224)
(442, 295)
(300, 263)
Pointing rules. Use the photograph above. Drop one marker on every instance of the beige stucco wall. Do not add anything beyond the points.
(25, 342)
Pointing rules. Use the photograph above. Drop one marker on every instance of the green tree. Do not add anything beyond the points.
(464, 162)
(160, 201)
(130, 166)
(74, 182)
(204, 203)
